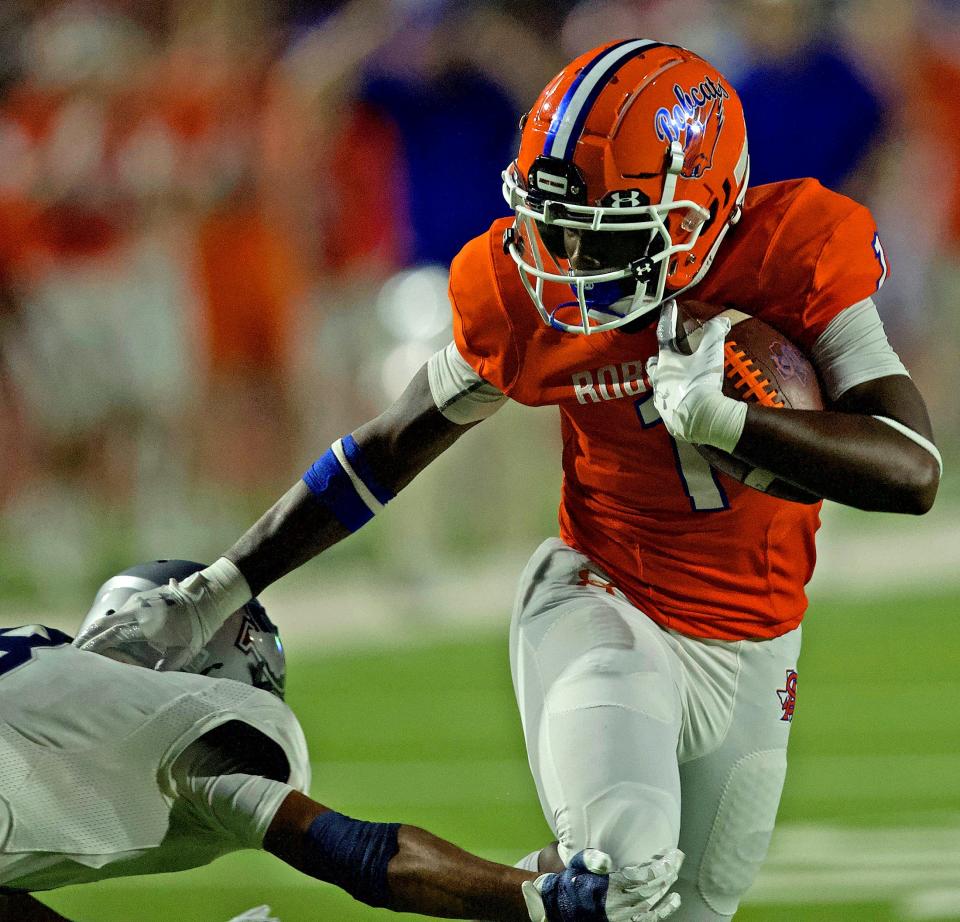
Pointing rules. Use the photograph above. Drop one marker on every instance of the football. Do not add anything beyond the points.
(760, 366)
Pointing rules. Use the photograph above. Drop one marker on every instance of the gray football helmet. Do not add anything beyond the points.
(247, 648)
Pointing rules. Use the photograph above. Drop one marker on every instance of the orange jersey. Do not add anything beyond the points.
(693, 549)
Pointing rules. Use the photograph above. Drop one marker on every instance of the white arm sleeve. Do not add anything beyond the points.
(226, 793)
(460, 394)
(854, 349)
(238, 806)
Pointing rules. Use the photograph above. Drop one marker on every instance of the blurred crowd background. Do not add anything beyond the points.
(225, 227)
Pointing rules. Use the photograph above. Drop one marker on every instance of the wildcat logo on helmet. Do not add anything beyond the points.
(696, 121)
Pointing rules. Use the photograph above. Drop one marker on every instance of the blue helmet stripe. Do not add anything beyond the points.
(561, 111)
(567, 123)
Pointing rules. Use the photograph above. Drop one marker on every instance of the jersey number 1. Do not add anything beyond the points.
(699, 480)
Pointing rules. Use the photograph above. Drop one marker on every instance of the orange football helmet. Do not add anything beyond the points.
(633, 165)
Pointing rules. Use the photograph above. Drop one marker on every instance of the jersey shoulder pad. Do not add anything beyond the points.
(269, 715)
(824, 256)
(224, 701)
(482, 326)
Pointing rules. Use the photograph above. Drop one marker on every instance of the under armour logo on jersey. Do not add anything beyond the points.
(788, 696)
(588, 578)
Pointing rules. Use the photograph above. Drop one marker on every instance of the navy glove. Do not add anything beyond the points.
(587, 892)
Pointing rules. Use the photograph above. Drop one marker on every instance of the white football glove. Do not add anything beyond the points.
(688, 389)
(257, 914)
(588, 892)
(166, 627)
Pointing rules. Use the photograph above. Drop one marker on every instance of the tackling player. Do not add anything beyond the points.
(112, 770)
(663, 624)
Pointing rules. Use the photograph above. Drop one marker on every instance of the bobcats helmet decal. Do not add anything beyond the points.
(640, 149)
(696, 122)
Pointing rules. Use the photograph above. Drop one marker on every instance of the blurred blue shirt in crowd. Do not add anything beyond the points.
(458, 132)
(810, 114)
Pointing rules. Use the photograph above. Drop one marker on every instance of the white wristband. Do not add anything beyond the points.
(716, 420)
(216, 592)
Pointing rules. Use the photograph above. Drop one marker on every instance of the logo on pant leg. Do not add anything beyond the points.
(788, 695)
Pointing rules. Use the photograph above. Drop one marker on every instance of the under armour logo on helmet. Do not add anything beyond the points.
(627, 198)
(642, 269)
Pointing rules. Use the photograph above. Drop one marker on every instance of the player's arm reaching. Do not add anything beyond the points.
(873, 448)
(342, 490)
(401, 867)
(385, 455)
(407, 869)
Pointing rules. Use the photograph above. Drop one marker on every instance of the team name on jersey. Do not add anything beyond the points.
(611, 382)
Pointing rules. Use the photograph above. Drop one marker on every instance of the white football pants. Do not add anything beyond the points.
(642, 739)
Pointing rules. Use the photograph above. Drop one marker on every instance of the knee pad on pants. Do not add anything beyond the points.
(630, 822)
(741, 831)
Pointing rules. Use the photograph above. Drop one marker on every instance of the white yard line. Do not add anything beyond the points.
(917, 869)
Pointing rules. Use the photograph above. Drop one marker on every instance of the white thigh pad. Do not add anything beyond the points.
(610, 677)
(601, 712)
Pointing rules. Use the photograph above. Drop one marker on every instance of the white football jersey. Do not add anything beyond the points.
(86, 751)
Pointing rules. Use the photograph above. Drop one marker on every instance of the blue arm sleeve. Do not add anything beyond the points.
(353, 855)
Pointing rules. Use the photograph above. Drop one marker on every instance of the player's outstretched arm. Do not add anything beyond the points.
(407, 869)
(873, 449)
(351, 481)
(390, 451)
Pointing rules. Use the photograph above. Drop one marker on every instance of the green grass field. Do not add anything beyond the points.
(869, 826)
